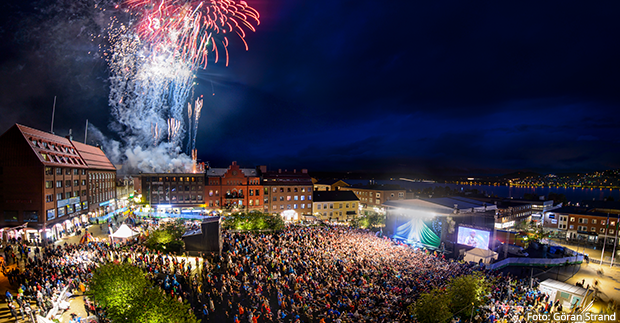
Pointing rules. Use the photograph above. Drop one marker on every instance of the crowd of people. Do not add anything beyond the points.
(301, 274)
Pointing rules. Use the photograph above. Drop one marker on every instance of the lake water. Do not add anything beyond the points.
(573, 195)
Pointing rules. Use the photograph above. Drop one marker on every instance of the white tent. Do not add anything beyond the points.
(477, 254)
(124, 232)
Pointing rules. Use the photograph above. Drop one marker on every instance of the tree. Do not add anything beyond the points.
(156, 307)
(167, 238)
(467, 293)
(128, 296)
(116, 286)
(433, 307)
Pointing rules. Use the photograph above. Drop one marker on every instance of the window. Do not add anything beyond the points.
(603, 222)
(302, 205)
(83, 172)
(76, 182)
(68, 183)
(288, 189)
(68, 195)
(68, 171)
(61, 211)
(340, 206)
(288, 206)
(593, 221)
(572, 219)
(49, 198)
(59, 196)
(288, 197)
(76, 171)
(58, 184)
(378, 195)
(83, 192)
(58, 171)
(31, 216)
(346, 205)
(611, 231)
(401, 194)
(331, 205)
(602, 230)
(10, 216)
(281, 198)
(295, 206)
(51, 214)
(251, 192)
(49, 171)
(318, 207)
(295, 197)
(571, 227)
(83, 182)
(49, 184)
(257, 192)
(593, 229)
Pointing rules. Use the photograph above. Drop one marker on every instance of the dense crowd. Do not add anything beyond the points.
(301, 274)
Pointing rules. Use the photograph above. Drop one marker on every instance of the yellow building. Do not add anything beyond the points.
(335, 206)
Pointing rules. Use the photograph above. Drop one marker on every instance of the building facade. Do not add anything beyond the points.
(335, 206)
(287, 193)
(173, 192)
(584, 224)
(44, 183)
(233, 189)
(373, 196)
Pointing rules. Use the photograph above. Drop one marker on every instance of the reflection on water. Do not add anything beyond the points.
(573, 195)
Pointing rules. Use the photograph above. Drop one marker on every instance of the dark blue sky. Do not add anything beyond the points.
(443, 87)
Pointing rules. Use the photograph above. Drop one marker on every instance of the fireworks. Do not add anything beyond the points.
(153, 60)
(189, 27)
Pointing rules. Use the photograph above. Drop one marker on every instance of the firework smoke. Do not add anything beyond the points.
(152, 67)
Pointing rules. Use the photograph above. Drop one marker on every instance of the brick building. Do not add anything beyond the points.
(46, 183)
(584, 223)
(288, 193)
(233, 189)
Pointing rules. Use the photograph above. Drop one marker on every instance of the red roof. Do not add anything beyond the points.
(52, 150)
(94, 156)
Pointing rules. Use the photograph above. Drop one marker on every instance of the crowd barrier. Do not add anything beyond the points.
(542, 262)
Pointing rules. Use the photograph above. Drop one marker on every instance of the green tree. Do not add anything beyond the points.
(433, 307)
(116, 286)
(128, 296)
(467, 293)
(154, 306)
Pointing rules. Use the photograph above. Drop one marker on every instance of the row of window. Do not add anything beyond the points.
(68, 183)
(61, 159)
(165, 198)
(13, 216)
(585, 229)
(68, 171)
(291, 198)
(174, 188)
(369, 200)
(377, 194)
(174, 179)
(294, 206)
(338, 205)
(52, 146)
(287, 190)
(61, 196)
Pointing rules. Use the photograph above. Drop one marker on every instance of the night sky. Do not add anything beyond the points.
(439, 87)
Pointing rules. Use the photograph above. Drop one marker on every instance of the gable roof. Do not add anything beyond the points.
(52, 150)
(93, 156)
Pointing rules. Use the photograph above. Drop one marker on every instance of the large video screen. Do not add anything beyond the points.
(474, 237)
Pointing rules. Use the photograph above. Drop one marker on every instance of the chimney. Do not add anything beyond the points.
(70, 135)
(280, 170)
(294, 171)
